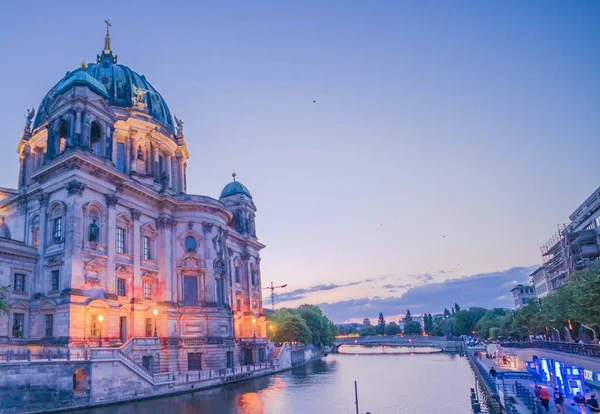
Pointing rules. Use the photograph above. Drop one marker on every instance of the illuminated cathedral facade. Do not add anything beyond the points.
(101, 244)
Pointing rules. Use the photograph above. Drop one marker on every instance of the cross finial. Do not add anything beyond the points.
(107, 39)
(234, 175)
(108, 25)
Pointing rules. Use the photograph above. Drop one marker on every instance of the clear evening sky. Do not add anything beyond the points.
(446, 139)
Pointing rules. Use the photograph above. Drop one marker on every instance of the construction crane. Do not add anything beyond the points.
(273, 293)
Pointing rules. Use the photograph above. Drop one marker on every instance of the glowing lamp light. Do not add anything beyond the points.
(155, 312)
(100, 318)
(253, 320)
(271, 327)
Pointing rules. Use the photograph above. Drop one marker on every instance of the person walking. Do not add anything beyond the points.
(592, 404)
(580, 401)
(493, 372)
(559, 400)
(544, 398)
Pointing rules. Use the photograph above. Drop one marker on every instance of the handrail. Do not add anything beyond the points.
(589, 350)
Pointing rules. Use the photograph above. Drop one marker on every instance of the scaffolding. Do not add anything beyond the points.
(556, 257)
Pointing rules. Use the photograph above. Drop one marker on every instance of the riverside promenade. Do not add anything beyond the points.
(516, 395)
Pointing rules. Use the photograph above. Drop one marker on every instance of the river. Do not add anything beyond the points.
(387, 384)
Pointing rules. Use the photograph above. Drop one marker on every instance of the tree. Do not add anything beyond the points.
(366, 322)
(321, 328)
(408, 316)
(430, 322)
(292, 328)
(412, 328)
(456, 308)
(368, 331)
(446, 313)
(427, 323)
(381, 324)
(392, 329)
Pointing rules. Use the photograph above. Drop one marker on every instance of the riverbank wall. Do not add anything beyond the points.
(488, 384)
(106, 378)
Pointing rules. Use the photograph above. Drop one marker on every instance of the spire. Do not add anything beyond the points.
(107, 39)
(107, 56)
(234, 175)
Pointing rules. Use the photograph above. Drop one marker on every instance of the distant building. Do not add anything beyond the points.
(522, 295)
(540, 282)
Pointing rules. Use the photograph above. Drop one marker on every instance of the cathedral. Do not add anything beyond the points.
(101, 244)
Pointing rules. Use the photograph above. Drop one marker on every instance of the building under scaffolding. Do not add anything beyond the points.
(556, 258)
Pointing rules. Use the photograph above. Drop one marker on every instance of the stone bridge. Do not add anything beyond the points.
(448, 345)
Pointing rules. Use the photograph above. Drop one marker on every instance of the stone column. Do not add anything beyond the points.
(163, 254)
(43, 223)
(108, 142)
(246, 277)
(127, 155)
(22, 170)
(78, 128)
(137, 276)
(208, 259)
(181, 175)
(157, 173)
(73, 236)
(70, 131)
(169, 171)
(50, 142)
(85, 131)
(133, 154)
(111, 242)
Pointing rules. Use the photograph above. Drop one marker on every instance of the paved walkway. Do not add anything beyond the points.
(488, 363)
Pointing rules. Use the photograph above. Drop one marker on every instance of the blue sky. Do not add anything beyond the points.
(447, 138)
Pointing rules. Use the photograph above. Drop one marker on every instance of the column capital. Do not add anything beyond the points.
(136, 214)
(111, 200)
(43, 199)
(75, 188)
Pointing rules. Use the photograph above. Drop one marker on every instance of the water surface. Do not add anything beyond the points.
(387, 384)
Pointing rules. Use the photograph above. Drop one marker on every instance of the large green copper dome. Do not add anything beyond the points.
(123, 87)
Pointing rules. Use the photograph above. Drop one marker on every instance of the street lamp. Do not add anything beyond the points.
(254, 328)
(155, 312)
(100, 319)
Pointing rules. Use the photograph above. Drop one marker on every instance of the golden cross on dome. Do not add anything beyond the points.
(108, 25)
(107, 39)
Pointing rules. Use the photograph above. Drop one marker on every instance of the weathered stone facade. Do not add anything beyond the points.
(101, 243)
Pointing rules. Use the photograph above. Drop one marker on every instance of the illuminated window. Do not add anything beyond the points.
(36, 237)
(121, 157)
(147, 291)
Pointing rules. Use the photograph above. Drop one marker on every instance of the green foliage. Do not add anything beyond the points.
(392, 329)
(456, 308)
(446, 312)
(437, 328)
(368, 331)
(412, 328)
(427, 323)
(381, 324)
(293, 329)
(306, 324)
(4, 299)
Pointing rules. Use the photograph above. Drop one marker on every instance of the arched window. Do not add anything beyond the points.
(62, 135)
(96, 139)
(56, 222)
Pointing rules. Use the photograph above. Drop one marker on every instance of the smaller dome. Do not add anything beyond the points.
(81, 77)
(235, 187)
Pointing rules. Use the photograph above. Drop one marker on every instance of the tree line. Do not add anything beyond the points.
(574, 306)
(306, 324)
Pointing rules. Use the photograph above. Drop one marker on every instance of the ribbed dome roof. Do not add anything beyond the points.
(118, 83)
(233, 188)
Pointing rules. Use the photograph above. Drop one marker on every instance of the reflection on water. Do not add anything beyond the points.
(387, 384)
(368, 350)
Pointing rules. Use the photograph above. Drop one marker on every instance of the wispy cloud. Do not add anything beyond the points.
(298, 294)
(478, 290)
